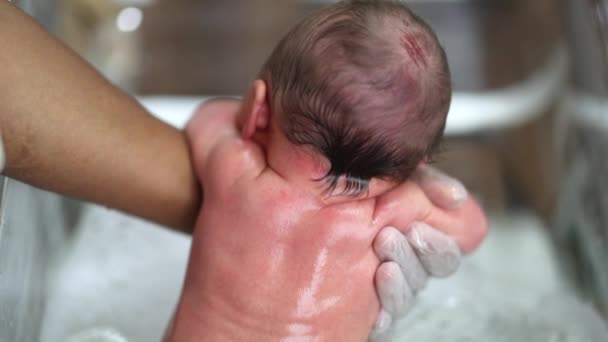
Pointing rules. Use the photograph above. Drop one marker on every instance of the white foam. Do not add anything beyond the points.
(510, 290)
(98, 335)
(121, 273)
(121, 279)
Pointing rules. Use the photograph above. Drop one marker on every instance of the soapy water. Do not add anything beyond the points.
(98, 335)
(121, 279)
(120, 275)
(483, 314)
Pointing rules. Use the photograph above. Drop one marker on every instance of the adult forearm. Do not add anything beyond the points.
(68, 130)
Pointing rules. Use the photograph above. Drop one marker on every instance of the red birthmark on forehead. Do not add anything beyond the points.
(411, 46)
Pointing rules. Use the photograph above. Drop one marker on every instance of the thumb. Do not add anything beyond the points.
(444, 191)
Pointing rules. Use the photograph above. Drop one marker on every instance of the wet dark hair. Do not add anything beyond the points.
(364, 83)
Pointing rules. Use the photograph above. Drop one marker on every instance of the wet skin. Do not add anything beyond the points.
(273, 258)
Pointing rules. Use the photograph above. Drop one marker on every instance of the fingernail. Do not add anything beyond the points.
(451, 187)
(416, 235)
(383, 323)
(457, 192)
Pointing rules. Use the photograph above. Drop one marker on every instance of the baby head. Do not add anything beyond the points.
(364, 84)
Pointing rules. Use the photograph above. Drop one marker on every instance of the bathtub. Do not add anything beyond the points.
(71, 271)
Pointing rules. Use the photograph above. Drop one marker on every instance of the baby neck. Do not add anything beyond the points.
(305, 168)
(298, 165)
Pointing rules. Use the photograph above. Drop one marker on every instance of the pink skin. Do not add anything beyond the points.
(413, 49)
(273, 258)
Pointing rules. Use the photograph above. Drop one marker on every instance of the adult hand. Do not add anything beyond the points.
(411, 256)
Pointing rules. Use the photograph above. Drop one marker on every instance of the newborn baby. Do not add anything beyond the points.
(350, 102)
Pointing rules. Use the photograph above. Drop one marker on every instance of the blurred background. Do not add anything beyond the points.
(527, 134)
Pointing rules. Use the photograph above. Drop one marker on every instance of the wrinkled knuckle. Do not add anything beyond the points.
(386, 242)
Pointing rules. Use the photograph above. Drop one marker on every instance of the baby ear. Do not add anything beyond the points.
(256, 109)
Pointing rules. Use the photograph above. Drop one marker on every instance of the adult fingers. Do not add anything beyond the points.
(444, 191)
(396, 298)
(382, 330)
(395, 295)
(392, 245)
(438, 253)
